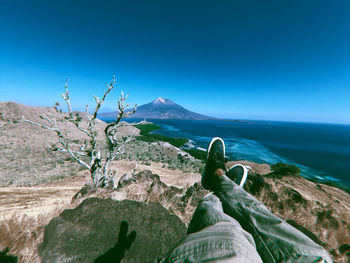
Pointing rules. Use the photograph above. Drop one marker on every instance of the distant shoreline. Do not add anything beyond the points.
(233, 120)
(312, 177)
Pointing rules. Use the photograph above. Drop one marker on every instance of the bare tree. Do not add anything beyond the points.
(4, 121)
(3, 124)
(87, 153)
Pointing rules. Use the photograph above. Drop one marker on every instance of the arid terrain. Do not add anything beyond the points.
(37, 184)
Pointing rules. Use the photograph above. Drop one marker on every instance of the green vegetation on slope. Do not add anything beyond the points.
(282, 169)
(145, 153)
(198, 154)
(146, 136)
(339, 185)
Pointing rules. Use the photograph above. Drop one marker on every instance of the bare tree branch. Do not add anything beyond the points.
(43, 126)
(64, 146)
(4, 124)
(79, 151)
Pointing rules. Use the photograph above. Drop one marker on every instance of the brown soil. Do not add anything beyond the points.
(170, 177)
(25, 211)
(41, 199)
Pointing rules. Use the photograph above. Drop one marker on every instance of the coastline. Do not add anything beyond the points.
(147, 135)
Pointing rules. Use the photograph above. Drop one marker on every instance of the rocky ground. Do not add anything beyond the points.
(37, 185)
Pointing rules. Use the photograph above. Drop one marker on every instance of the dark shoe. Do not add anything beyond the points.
(238, 173)
(215, 160)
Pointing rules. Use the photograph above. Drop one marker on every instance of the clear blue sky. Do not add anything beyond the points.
(274, 60)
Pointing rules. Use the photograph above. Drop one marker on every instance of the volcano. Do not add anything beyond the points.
(162, 108)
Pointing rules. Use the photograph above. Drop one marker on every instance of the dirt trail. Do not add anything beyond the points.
(168, 176)
(44, 198)
(40, 199)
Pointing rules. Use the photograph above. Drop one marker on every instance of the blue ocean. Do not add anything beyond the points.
(321, 151)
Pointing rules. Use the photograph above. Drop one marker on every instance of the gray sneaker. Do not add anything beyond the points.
(215, 159)
(238, 173)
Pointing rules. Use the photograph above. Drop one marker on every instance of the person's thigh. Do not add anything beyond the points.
(275, 239)
(214, 236)
(221, 242)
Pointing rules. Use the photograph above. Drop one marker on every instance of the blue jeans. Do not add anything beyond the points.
(230, 225)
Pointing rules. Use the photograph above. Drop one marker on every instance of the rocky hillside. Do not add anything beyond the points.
(308, 206)
(320, 211)
(157, 231)
(148, 173)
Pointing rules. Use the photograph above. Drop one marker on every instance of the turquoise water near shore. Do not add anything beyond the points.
(322, 151)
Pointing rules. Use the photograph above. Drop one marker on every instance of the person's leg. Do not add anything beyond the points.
(208, 212)
(276, 240)
(215, 237)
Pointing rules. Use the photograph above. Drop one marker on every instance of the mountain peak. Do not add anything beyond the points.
(162, 108)
(159, 100)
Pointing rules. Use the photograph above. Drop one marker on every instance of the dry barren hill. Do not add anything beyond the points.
(37, 185)
(25, 156)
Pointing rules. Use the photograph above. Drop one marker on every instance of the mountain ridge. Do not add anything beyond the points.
(161, 108)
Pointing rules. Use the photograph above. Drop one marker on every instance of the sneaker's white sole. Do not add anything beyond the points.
(211, 143)
(245, 174)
